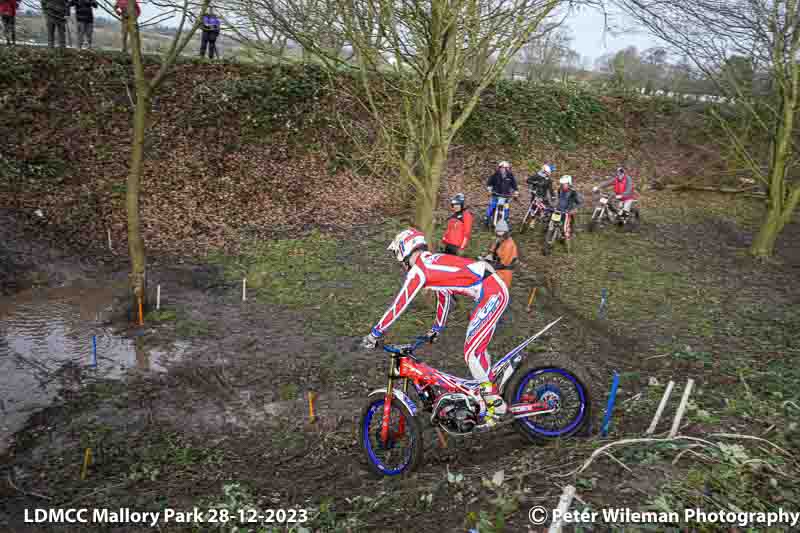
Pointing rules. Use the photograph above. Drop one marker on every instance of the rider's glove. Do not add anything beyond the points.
(489, 189)
(369, 342)
(432, 336)
(595, 189)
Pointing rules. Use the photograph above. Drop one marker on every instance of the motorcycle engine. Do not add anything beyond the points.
(456, 413)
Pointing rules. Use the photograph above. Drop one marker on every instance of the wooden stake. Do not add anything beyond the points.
(109, 239)
(141, 314)
(158, 297)
(660, 409)
(311, 416)
(563, 504)
(681, 408)
(244, 289)
(530, 298)
(87, 458)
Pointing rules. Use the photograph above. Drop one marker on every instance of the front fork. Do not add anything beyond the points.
(394, 373)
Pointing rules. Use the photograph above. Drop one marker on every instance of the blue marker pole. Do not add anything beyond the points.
(601, 313)
(94, 350)
(610, 407)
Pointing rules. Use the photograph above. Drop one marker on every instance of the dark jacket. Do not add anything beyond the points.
(84, 10)
(542, 186)
(568, 200)
(55, 9)
(502, 185)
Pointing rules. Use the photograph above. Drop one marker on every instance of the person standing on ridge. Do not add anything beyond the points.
(84, 19)
(208, 38)
(8, 11)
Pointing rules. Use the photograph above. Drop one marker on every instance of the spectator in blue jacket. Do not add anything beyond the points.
(208, 39)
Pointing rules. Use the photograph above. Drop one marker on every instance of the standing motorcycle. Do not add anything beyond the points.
(538, 213)
(501, 210)
(558, 229)
(608, 212)
(545, 401)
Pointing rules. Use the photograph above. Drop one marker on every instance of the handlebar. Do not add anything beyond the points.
(405, 349)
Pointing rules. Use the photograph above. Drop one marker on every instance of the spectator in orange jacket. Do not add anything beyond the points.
(8, 10)
(121, 8)
(503, 254)
(459, 227)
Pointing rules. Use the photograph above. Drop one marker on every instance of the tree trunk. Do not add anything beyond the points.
(764, 243)
(426, 199)
(138, 276)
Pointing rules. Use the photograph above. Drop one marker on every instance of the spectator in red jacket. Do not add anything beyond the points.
(121, 7)
(8, 11)
(459, 227)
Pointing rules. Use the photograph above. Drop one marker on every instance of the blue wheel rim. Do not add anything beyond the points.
(377, 406)
(581, 394)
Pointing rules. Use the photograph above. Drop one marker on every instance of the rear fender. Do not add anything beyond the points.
(400, 395)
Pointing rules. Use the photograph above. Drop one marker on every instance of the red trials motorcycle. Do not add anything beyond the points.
(545, 401)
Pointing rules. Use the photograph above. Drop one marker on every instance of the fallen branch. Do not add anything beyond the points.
(602, 449)
(30, 493)
(726, 190)
(750, 437)
(620, 463)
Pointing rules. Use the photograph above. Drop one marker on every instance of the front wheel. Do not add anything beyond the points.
(401, 453)
(556, 381)
(549, 238)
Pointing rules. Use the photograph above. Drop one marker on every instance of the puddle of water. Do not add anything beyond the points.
(43, 333)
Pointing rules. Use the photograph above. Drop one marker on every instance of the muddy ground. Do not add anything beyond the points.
(227, 424)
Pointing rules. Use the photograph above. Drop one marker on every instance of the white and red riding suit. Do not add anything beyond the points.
(449, 274)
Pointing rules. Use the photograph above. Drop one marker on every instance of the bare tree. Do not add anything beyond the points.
(765, 35)
(419, 55)
(544, 57)
(189, 17)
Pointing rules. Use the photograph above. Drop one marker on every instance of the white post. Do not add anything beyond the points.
(244, 289)
(158, 297)
(681, 408)
(660, 409)
(109, 239)
(563, 505)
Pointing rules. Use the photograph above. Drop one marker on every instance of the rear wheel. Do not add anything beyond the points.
(528, 219)
(559, 382)
(402, 452)
(593, 222)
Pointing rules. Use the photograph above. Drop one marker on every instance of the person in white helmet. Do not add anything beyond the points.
(447, 275)
(569, 200)
(501, 182)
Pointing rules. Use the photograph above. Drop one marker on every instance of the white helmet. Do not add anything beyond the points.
(406, 243)
(504, 164)
(567, 179)
(547, 169)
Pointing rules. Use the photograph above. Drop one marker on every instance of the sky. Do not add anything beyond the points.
(592, 42)
(587, 27)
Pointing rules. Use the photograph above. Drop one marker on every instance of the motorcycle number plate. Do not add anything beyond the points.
(556, 217)
(603, 200)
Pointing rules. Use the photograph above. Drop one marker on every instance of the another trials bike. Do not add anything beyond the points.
(501, 210)
(538, 213)
(559, 228)
(545, 401)
(607, 212)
